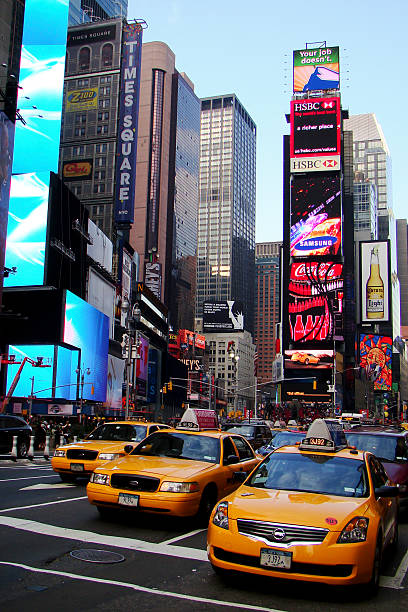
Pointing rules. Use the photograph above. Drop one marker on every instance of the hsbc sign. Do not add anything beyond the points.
(315, 164)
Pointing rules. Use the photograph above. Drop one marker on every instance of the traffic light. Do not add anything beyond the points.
(170, 386)
(314, 385)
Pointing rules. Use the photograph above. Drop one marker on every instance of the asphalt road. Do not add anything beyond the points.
(146, 563)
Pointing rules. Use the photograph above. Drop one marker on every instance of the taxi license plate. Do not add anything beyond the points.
(126, 499)
(276, 558)
(77, 467)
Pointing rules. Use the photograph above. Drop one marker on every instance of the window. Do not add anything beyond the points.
(78, 150)
(103, 116)
(107, 55)
(79, 131)
(99, 188)
(243, 448)
(102, 148)
(102, 129)
(378, 475)
(228, 449)
(84, 58)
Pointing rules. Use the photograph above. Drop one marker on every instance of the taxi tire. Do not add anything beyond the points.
(371, 588)
(395, 536)
(207, 503)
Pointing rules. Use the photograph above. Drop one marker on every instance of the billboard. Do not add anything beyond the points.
(315, 216)
(77, 170)
(316, 69)
(315, 134)
(27, 227)
(91, 35)
(377, 350)
(127, 125)
(309, 359)
(116, 369)
(81, 100)
(41, 84)
(141, 367)
(375, 281)
(315, 301)
(6, 157)
(223, 316)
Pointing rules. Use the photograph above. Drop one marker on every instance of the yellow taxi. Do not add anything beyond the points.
(103, 444)
(180, 472)
(319, 511)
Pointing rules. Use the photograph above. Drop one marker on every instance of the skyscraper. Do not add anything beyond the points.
(267, 297)
(85, 11)
(226, 220)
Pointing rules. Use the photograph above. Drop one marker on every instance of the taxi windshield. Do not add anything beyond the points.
(180, 446)
(119, 432)
(312, 473)
(391, 448)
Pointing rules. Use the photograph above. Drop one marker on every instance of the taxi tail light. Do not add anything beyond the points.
(354, 531)
(220, 517)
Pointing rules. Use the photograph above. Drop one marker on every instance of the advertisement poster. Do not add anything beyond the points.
(315, 69)
(315, 299)
(142, 367)
(377, 350)
(374, 287)
(315, 216)
(223, 316)
(311, 359)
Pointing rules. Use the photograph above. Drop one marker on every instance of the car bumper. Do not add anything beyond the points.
(61, 465)
(327, 562)
(174, 504)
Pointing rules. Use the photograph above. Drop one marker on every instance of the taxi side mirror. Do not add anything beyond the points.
(128, 448)
(231, 459)
(387, 491)
(403, 490)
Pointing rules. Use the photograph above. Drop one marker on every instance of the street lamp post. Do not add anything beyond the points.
(82, 371)
(132, 318)
(233, 355)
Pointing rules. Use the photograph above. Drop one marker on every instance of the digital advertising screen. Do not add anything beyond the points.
(375, 281)
(377, 350)
(6, 157)
(315, 134)
(315, 216)
(141, 364)
(309, 359)
(41, 84)
(66, 378)
(223, 316)
(315, 301)
(116, 369)
(43, 377)
(27, 228)
(316, 69)
(87, 329)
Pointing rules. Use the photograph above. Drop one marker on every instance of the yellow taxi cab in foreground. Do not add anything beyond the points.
(180, 472)
(319, 511)
(104, 443)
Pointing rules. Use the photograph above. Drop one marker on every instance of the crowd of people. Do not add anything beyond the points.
(57, 428)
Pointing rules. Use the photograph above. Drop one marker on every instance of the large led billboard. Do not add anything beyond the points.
(315, 134)
(316, 69)
(309, 359)
(41, 85)
(87, 328)
(315, 216)
(6, 153)
(223, 316)
(142, 367)
(375, 281)
(128, 121)
(27, 228)
(315, 301)
(377, 350)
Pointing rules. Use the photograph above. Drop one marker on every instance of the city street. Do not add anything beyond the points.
(146, 563)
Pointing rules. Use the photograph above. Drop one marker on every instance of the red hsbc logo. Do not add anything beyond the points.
(330, 163)
(330, 104)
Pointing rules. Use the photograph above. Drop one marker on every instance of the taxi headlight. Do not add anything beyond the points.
(220, 517)
(102, 479)
(354, 531)
(108, 456)
(59, 453)
(179, 487)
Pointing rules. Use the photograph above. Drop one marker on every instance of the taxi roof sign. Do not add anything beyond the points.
(324, 435)
(197, 419)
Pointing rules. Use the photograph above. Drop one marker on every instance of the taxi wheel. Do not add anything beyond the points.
(207, 503)
(394, 539)
(372, 587)
(67, 477)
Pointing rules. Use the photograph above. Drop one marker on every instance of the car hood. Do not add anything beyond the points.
(397, 472)
(157, 467)
(103, 446)
(296, 508)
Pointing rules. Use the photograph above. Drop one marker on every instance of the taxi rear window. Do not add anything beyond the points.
(180, 446)
(284, 438)
(243, 430)
(391, 448)
(119, 433)
(331, 475)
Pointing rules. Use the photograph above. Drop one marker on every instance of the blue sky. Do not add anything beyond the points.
(246, 49)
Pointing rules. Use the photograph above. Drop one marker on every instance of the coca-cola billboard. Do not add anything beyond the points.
(315, 302)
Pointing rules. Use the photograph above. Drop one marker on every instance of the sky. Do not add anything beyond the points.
(246, 48)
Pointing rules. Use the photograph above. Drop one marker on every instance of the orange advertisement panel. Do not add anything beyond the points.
(377, 351)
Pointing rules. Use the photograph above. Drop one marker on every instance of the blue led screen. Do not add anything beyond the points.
(42, 376)
(66, 376)
(87, 328)
(27, 225)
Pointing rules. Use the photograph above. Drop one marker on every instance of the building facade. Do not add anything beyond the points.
(267, 301)
(85, 11)
(226, 218)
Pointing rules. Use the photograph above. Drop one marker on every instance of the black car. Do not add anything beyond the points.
(257, 434)
(10, 426)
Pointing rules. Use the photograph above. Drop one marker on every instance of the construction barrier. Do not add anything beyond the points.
(47, 447)
(31, 449)
(14, 449)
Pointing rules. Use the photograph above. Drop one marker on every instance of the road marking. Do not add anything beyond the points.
(42, 486)
(183, 537)
(50, 503)
(136, 587)
(395, 582)
(98, 538)
(26, 478)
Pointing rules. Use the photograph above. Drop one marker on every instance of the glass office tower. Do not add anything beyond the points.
(226, 220)
(85, 11)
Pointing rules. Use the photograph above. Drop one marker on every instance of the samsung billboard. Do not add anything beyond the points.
(223, 316)
(315, 135)
(316, 69)
(315, 216)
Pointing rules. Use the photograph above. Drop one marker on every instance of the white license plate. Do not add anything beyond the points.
(127, 499)
(77, 467)
(276, 558)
